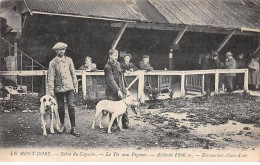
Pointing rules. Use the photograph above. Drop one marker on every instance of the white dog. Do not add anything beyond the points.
(116, 108)
(49, 106)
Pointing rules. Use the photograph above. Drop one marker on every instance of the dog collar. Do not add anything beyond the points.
(125, 102)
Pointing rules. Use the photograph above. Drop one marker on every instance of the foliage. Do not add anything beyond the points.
(152, 92)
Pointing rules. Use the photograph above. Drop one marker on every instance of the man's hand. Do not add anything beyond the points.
(128, 93)
(76, 90)
(51, 92)
(120, 94)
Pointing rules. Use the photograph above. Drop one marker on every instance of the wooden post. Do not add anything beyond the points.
(141, 86)
(223, 43)
(119, 35)
(182, 84)
(84, 84)
(203, 84)
(129, 86)
(46, 80)
(32, 76)
(159, 83)
(180, 35)
(15, 54)
(170, 60)
(216, 81)
(246, 80)
(175, 42)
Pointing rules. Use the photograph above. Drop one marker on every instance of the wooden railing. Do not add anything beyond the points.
(140, 76)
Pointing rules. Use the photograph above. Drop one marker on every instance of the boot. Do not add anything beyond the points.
(207, 95)
(62, 129)
(74, 132)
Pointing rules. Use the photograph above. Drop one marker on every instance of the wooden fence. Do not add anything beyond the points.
(140, 76)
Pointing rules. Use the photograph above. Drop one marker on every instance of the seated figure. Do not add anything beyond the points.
(144, 64)
(89, 66)
(127, 65)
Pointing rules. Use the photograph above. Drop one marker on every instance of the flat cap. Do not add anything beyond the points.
(229, 54)
(111, 51)
(59, 45)
(128, 55)
(145, 56)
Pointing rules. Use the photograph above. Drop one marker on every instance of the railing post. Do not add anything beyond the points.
(216, 81)
(32, 76)
(15, 54)
(141, 86)
(84, 84)
(21, 62)
(159, 83)
(46, 81)
(246, 80)
(203, 84)
(182, 84)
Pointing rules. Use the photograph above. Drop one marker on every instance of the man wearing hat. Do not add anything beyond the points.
(127, 65)
(62, 82)
(144, 64)
(230, 63)
(205, 65)
(116, 83)
(240, 64)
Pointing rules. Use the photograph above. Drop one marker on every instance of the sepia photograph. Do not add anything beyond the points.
(130, 80)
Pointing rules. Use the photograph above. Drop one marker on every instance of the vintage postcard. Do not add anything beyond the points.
(130, 80)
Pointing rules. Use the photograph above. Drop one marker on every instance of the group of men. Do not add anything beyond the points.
(62, 81)
(212, 61)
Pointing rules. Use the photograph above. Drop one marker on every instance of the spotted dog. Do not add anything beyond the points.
(49, 106)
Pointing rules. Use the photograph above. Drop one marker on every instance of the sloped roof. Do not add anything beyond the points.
(235, 14)
(111, 9)
(228, 14)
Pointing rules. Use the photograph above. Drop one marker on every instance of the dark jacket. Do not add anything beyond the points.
(115, 80)
(240, 64)
(205, 63)
(144, 66)
(215, 63)
(127, 67)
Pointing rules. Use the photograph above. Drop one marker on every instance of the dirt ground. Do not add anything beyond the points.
(222, 122)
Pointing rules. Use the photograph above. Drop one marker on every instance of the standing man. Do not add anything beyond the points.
(62, 82)
(240, 64)
(216, 64)
(144, 64)
(230, 63)
(115, 81)
(205, 65)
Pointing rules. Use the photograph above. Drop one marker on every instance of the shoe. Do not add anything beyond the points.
(115, 127)
(74, 132)
(62, 129)
(126, 125)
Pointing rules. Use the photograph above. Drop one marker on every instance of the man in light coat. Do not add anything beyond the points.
(62, 82)
(230, 63)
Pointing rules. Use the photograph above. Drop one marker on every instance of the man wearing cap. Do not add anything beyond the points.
(240, 64)
(144, 64)
(116, 83)
(62, 82)
(205, 65)
(230, 63)
(127, 65)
